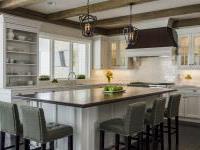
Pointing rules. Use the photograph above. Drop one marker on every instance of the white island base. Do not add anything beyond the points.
(85, 121)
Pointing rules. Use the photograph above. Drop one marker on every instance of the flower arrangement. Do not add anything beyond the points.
(109, 76)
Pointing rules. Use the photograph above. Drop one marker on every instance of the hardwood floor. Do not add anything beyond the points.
(189, 138)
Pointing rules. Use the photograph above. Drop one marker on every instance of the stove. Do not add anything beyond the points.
(151, 84)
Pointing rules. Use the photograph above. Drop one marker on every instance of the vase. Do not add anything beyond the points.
(109, 80)
(11, 35)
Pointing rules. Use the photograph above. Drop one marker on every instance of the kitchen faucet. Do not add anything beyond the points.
(71, 75)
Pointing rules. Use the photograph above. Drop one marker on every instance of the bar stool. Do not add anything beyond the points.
(154, 119)
(171, 112)
(10, 123)
(129, 126)
(36, 129)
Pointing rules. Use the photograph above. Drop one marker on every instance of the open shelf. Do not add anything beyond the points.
(21, 64)
(21, 75)
(20, 41)
(15, 52)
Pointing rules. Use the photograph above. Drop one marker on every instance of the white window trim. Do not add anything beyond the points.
(71, 40)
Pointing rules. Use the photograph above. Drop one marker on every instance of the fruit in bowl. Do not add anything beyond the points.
(113, 88)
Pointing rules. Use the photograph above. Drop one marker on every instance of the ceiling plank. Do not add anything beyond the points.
(102, 6)
(186, 22)
(123, 20)
(12, 4)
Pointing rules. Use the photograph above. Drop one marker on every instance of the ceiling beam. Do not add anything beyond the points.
(150, 15)
(12, 4)
(25, 13)
(97, 7)
(186, 22)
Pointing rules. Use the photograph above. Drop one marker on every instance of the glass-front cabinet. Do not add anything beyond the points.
(118, 52)
(189, 48)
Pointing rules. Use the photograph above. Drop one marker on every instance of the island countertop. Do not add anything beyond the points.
(89, 97)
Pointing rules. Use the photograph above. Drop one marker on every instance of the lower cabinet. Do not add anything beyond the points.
(192, 107)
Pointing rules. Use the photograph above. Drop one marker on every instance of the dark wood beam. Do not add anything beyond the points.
(102, 6)
(120, 21)
(25, 13)
(186, 22)
(11, 4)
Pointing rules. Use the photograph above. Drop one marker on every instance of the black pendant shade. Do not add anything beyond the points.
(87, 23)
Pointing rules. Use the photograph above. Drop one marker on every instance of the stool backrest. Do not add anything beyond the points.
(134, 118)
(34, 124)
(9, 118)
(173, 105)
(157, 114)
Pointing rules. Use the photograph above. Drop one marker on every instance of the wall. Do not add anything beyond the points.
(152, 69)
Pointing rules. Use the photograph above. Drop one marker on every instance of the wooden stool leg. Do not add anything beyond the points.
(43, 146)
(70, 142)
(26, 144)
(162, 136)
(52, 145)
(147, 137)
(2, 140)
(101, 143)
(169, 133)
(117, 140)
(17, 142)
(127, 143)
(177, 131)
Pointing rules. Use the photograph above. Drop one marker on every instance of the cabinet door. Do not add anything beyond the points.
(196, 49)
(192, 107)
(118, 50)
(184, 47)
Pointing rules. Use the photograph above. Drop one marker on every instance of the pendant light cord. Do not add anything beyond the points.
(88, 9)
(131, 11)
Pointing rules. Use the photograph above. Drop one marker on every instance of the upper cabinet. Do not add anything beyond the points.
(19, 51)
(189, 48)
(109, 53)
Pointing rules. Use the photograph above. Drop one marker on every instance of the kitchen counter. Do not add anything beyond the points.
(91, 96)
(85, 108)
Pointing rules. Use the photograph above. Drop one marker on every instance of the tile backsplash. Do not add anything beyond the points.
(152, 69)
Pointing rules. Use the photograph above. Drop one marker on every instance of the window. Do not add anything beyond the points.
(61, 59)
(44, 56)
(80, 63)
(59, 56)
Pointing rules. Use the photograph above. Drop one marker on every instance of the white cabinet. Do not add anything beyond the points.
(19, 51)
(192, 106)
(189, 48)
(101, 52)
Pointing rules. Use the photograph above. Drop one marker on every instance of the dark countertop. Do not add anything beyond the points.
(91, 96)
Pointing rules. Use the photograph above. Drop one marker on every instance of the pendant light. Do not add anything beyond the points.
(130, 32)
(87, 23)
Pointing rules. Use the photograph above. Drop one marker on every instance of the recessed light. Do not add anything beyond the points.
(51, 3)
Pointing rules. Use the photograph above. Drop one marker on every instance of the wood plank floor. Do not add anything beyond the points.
(189, 138)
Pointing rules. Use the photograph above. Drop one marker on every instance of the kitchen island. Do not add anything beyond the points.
(84, 109)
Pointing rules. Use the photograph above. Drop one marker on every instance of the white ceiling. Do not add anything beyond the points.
(60, 5)
(140, 8)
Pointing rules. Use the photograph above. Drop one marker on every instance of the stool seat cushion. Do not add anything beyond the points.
(56, 131)
(114, 125)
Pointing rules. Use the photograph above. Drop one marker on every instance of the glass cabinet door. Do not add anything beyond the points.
(196, 49)
(118, 49)
(184, 50)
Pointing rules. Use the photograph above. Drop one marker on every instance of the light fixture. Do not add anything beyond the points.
(87, 23)
(130, 32)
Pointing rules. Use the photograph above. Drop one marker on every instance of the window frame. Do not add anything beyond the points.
(71, 40)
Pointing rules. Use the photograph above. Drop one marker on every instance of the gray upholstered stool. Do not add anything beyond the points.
(36, 129)
(10, 123)
(154, 119)
(130, 126)
(172, 111)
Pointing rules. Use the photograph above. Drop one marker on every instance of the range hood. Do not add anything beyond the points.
(160, 41)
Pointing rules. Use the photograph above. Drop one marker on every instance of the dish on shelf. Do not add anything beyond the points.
(21, 37)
